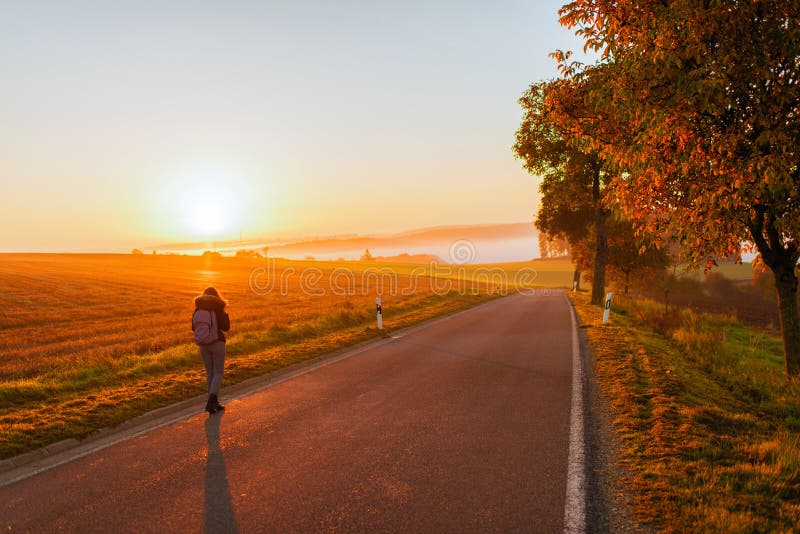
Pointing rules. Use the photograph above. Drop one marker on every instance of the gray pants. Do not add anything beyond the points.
(214, 360)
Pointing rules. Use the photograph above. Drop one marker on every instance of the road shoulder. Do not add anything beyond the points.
(609, 501)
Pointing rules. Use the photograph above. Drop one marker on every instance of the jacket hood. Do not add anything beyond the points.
(209, 302)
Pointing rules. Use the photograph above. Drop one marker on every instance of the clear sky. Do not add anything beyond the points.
(134, 123)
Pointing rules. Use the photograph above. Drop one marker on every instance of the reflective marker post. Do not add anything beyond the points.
(574, 286)
(608, 308)
(379, 312)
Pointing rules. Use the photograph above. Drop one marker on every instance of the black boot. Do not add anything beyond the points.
(217, 406)
(211, 405)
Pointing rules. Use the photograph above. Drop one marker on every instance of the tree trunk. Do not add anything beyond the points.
(600, 260)
(781, 257)
(786, 287)
(576, 278)
(601, 249)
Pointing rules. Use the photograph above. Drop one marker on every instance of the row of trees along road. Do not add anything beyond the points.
(686, 128)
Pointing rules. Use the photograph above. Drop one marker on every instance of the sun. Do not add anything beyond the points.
(207, 206)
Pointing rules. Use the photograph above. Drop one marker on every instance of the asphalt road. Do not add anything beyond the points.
(462, 425)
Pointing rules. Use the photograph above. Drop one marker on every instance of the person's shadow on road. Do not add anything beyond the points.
(219, 515)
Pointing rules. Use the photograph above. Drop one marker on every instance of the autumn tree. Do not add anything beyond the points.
(552, 247)
(573, 179)
(706, 100)
(629, 254)
(565, 213)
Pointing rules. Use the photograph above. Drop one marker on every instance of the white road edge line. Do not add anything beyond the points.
(575, 505)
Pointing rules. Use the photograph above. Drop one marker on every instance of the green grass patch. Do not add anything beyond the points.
(709, 422)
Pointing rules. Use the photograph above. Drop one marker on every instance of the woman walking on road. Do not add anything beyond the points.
(209, 321)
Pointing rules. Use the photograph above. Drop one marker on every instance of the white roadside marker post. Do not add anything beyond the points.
(379, 312)
(608, 308)
(574, 286)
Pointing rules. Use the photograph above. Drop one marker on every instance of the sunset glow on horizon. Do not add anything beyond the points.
(132, 126)
(204, 204)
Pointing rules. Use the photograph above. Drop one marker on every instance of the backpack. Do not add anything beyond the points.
(205, 330)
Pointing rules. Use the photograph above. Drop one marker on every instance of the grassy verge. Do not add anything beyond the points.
(73, 402)
(709, 424)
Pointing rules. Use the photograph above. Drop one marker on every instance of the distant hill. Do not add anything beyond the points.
(426, 242)
(433, 234)
(474, 231)
(410, 258)
(410, 240)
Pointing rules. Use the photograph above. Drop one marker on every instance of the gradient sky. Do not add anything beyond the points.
(137, 123)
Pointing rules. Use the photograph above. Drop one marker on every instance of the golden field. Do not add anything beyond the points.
(88, 341)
